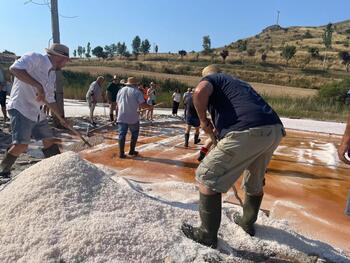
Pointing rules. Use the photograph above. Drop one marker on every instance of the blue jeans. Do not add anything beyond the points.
(123, 130)
(347, 211)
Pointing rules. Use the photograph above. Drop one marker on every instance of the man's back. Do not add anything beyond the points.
(235, 105)
(128, 99)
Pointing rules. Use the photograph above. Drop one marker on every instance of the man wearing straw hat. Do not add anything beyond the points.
(33, 87)
(249, 131)
(129, 99)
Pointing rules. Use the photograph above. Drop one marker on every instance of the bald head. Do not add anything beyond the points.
(211, 69)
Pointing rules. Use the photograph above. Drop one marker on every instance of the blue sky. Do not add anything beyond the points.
(172, 25)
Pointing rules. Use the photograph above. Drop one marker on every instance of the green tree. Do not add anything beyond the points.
(327, 41)
(80, 51)
(156, 49)
(145, 47)
(345, 57)
(74, 52)
(182, 53)
(251, 52)
(88, 50)
(288, 53)
(263, 57)
(98, 52)
(136, 44)
(83, 50)
(224, 54)
(242, 45)
(206, 45)
(121, 49)
(314, 52)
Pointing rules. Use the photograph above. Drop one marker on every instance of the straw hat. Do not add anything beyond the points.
(58, 50)
(132, 81)
(211, 69)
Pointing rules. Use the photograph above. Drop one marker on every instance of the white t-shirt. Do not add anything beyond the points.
(23, 95)
(177, 97)
(95, 90)
(129, 99)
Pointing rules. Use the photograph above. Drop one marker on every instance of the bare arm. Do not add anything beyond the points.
(345, 143)
(200, 100)
(23, 75)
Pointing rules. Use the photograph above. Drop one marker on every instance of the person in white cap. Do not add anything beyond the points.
(33, 87)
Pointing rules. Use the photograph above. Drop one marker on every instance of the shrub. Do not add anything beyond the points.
(335, 92)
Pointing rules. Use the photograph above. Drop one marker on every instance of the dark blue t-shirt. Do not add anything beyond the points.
(235, 106)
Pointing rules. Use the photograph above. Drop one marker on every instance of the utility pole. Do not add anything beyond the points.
(56, 39)
(278, 17)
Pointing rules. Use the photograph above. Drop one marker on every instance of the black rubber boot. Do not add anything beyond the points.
(111, 118)
(202, 153)
(121, 148)
(132, 147)
(51, 151)
(210, 215)
(6, 165)
(251, 208)
(187, 138)
(196, 139)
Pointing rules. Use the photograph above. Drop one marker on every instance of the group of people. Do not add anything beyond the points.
(243, 129)
(95, 94)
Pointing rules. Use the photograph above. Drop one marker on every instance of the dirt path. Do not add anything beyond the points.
(269, 89)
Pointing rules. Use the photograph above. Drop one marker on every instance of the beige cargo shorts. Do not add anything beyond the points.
(250, 151)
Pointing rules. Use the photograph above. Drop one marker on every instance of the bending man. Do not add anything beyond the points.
(249, 131)
(33, 87)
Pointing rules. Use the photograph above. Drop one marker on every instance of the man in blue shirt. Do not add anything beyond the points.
(249, 131)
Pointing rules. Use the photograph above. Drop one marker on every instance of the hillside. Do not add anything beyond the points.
(273, 38)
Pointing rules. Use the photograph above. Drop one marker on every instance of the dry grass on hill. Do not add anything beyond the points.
(271, 90)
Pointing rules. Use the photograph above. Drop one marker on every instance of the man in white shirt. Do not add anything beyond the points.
(33, 87)
(93, 95)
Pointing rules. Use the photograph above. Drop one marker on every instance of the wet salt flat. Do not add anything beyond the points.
(306, 185)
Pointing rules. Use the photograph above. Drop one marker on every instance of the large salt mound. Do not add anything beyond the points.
(65, 209)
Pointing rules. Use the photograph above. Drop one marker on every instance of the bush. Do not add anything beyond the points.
(335, 92)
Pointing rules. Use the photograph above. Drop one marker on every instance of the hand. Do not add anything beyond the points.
(40, 94)
(343, 148)
(209, 129)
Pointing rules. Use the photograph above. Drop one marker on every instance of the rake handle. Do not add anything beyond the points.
(62, 120)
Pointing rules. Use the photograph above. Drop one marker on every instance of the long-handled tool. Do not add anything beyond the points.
(144, 109)
(89, 132)
(78, 134)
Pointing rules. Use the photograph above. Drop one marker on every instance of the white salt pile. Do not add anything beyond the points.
(65, 209)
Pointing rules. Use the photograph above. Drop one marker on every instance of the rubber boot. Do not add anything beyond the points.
(202, 153)
(187, 138)
(121, 148)
(132, 147)
(51, 151)
(196, 139)
(210, 215)
(251, 208)
(111, 118)
(6, 165)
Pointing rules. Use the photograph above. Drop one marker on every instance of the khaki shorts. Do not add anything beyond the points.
(249, 150)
